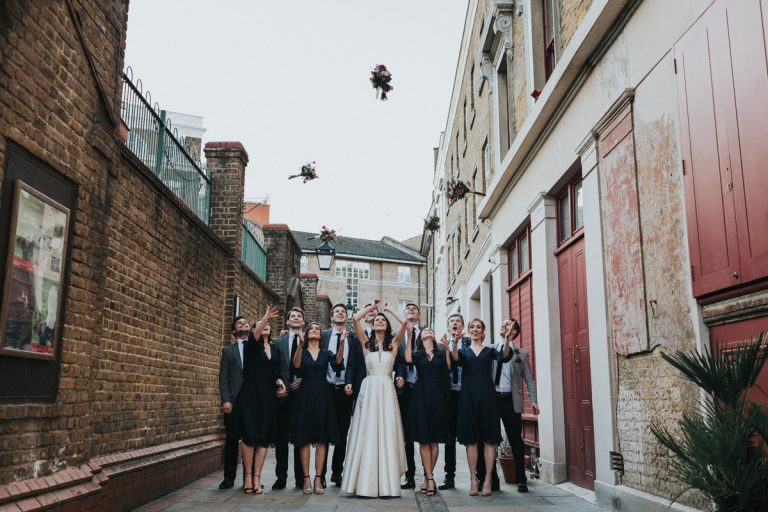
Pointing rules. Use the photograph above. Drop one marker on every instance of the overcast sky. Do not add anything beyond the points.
(290, 80)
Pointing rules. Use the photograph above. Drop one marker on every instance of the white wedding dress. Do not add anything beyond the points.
(375, 457)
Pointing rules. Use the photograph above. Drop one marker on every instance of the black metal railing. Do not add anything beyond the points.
(157, 144)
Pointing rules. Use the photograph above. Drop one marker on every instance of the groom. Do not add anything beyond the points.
(405, 378)
(342, 392)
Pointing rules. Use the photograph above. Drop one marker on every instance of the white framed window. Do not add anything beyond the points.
(403, 274)
(401, 305)
(304, 264)
(353, 272)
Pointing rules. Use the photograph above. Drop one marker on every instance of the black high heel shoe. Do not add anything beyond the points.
(430, 489)
(248, 489)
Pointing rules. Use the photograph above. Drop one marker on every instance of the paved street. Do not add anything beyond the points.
(204, 495)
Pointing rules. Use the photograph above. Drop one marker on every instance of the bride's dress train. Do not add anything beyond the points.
(375, 457)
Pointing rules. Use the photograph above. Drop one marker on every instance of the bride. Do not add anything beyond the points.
(376, 448)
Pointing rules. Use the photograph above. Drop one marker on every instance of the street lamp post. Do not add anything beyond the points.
(325, 254)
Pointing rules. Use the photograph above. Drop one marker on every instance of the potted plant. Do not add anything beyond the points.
(721, 450)
(507, 461)
(432, 223)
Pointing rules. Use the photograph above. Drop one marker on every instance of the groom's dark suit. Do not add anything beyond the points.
(287, 345)
(230, 382)
(342, 402)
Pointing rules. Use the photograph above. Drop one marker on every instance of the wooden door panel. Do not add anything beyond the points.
(747, 134)
(709, 211)
(577, 385)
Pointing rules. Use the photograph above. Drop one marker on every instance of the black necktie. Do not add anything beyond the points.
(294, 344)
(455, 367)
(338, 347)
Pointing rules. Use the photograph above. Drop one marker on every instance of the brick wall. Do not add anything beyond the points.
(571, 14)
(151, 286)
(283, 262)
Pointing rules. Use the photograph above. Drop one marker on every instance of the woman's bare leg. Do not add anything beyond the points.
(472, 462)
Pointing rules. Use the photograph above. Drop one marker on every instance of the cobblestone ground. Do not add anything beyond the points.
(204, 495)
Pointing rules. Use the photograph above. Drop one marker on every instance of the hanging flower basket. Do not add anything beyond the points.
(326, 235)
(432, 223)
(308, 172)
(457, 189)
(380, 78)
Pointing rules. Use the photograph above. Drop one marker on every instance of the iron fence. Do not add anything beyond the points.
(157, 144)
(253, 254)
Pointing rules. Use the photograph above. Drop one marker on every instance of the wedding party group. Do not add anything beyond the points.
(372, 394)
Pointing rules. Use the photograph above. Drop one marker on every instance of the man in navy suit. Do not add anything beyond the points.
(341, 384)
(287, 345)
(230, 382)
(405, 380)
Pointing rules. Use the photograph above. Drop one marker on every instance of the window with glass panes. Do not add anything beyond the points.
(570, 211)
(353, 272)
(520, 255)
(403, 274)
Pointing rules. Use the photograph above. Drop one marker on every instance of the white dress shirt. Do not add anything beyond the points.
(411, 375)
(333, 347)
(505, 382)
(240, 346)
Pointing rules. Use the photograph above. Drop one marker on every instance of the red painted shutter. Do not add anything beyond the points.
(722, 82)
(746, 21)
(701, 60)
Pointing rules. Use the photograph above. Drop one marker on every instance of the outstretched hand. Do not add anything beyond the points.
(272, 312)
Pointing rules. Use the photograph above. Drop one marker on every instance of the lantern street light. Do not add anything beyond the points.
(325, 254)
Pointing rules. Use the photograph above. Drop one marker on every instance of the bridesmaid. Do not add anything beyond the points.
(313, 416)
(427, 422)
(258, 399)
(478, 413)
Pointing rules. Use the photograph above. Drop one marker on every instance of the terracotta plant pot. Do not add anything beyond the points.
(507, 463)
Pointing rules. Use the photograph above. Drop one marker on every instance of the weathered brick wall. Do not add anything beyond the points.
(571, 14)
(150, 289)
(283, 264)
(309, 298)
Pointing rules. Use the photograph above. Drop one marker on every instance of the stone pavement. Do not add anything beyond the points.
(204, 496)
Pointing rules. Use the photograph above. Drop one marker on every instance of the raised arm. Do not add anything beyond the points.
(455, 351)
(399, 337)
(359, 327)
(400, 318)
(408, 348)
(447, 350)
(513, 331)
(340, 349)
(258, 329)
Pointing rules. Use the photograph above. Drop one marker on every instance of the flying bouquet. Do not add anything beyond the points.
(326, 235)
(380, 78)
(308, 172)
(432, 223)
(457, 189)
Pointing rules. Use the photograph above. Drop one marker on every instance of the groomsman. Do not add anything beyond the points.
(456, 335)
(405, 379)
(287, 345)
(341, 390)
(230, 382)
(508, 379)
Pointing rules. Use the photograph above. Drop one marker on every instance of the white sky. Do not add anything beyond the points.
(289, 79)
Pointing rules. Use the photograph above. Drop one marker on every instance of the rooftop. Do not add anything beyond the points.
(361, 248)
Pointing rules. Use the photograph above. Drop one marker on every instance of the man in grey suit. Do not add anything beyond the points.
(508, 379)
(287, 345)
(230, 382)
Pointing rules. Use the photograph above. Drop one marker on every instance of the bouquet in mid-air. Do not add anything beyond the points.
(326, 235)
(380, 78)
(308, 172)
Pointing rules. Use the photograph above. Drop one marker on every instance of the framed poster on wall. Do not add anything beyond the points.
(32, 291)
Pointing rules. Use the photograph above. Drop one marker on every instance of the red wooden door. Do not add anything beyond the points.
(577, 382)
(722, 82)
(521, 307)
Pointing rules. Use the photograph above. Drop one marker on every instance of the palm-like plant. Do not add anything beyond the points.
(722, 452)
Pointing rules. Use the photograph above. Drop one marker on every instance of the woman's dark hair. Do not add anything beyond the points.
(269, 336)
(387, 346)
(306, 333)
(419, 345)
